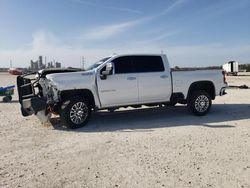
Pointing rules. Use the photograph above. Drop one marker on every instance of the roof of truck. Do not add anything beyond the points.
(135, 54)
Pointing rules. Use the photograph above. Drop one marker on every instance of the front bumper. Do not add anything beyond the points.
(32, 105)
(30, 102)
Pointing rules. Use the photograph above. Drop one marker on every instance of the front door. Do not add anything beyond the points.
(120, 88)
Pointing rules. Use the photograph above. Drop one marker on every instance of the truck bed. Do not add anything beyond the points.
(184, 78)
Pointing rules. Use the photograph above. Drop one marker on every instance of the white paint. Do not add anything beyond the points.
(134, 88)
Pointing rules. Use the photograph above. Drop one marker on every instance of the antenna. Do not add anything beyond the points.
(82, 62)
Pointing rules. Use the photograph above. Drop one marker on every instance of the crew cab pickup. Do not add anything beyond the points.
(114, 82)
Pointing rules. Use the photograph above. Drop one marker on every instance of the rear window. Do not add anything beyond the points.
(148, 64)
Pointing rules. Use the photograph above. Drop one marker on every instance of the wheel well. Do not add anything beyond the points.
(207, 86)
(177, 97)
(87, 94)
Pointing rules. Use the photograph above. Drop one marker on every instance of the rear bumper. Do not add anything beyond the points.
(30, 102)
(223, 91)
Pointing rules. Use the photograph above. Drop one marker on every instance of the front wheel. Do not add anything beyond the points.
(200, 103)
(75, 113)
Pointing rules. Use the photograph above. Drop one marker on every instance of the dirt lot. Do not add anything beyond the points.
(143, 148)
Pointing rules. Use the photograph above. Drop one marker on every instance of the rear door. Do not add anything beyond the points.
(154, 80)
(120, 88)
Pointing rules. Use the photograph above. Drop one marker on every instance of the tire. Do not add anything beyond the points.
(75, 113)
(7, 99)
(199, 103)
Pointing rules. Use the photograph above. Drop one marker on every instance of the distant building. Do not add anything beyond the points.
(40, 62)
(49, 65)
(58, 65)
(36, 65)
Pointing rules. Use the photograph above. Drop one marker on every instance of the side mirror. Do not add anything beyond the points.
(109, 67)
(107, 71)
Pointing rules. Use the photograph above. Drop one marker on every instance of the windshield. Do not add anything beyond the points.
(95, 65)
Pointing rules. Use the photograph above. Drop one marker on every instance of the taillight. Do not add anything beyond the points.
(224, 77)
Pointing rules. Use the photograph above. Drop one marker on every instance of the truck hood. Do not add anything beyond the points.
(45, 72)
(72, 80)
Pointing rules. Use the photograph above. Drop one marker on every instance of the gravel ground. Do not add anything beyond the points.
(151, 147)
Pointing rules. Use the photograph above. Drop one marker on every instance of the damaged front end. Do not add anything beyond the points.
(31, 97)
(38, 95)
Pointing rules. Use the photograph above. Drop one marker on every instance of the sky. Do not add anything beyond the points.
(190, 32)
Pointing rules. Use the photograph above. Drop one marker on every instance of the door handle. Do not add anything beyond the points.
(131, 78)
(164, 76)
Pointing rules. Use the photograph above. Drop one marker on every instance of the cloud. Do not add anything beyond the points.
(108, 7)
(42, 39)
(108, 31)
(49, 45)
(173, 6)
(207, 54)
(105, 32)
(161, 36)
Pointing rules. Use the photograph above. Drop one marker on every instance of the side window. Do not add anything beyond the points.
(148, 63)
(123, 65)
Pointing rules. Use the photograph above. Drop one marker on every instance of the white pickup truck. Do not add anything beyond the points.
(114, 82)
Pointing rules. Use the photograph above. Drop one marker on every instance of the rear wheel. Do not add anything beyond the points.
(75, 113)
(199, 103)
